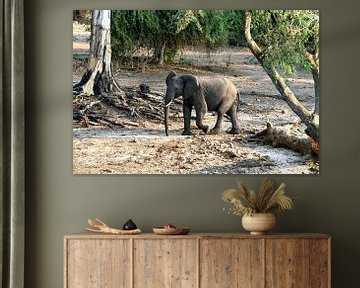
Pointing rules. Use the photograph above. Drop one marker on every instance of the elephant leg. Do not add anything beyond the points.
(199, 120)
(223, 107)
(218, 124)
(232, 114)
(187, 117)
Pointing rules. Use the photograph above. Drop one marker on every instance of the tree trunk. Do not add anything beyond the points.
(316, 77)
(162, 54)
(159, 53)
(310, 120)
(98, 78)
(315, 70)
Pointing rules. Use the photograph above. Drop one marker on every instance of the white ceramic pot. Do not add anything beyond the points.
(259, 223)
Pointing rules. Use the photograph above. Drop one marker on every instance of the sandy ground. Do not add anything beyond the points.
(146, 149)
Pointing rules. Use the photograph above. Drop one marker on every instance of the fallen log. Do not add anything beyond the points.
(129, 123)
(287, 136)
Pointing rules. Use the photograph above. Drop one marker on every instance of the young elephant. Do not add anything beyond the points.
(212, 94)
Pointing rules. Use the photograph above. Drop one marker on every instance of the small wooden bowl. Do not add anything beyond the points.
(171, 231)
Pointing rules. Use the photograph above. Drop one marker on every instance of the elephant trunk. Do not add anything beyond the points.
(169, 97)
(166, 120)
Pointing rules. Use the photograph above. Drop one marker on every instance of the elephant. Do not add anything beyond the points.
(205, 94)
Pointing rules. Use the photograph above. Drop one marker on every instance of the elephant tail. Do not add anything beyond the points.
(237, 100)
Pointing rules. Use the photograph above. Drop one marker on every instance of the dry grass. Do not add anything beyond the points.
(267, 200)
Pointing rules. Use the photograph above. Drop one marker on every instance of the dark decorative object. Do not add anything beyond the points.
(129, 225)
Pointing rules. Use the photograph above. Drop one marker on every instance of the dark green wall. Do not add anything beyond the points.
(59, 203)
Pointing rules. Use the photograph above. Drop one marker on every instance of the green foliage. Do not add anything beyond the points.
(150, 29)
(234, 26)
(132, 29)
(215, 31)
(170, 54)
(187, 18)
(286, 36)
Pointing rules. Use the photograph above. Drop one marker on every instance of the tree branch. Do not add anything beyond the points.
(279, 82)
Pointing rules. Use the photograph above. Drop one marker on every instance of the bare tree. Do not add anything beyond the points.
(98, 77)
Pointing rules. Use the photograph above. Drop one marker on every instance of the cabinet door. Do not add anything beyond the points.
(320, 263)
(287, 263)
(98, 263)
(231, 263)
(167, 263)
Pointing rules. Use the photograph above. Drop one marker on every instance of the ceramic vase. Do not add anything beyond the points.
(259, 223)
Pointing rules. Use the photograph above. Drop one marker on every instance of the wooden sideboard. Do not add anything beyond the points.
(197, 260)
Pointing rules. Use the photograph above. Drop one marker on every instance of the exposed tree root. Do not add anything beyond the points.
(111, 110)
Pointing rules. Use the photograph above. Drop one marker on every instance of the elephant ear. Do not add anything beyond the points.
(191, 85)
(171, 75)
(193, 88)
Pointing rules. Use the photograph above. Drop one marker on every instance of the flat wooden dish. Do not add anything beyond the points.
(171, 231)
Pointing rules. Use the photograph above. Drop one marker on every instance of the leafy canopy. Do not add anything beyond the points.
(135, 29)
(286, 36)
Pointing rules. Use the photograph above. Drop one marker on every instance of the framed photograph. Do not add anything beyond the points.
(196, 92)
